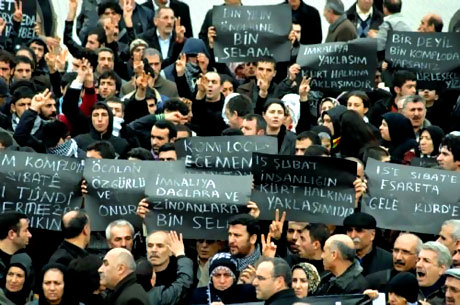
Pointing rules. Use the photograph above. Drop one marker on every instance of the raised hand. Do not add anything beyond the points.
(128, 8)
(248, 275)
(203, 62)
(304, 89)
(73, 4)
(268, 247)
(276, 227)
(2, 26)
(180, 31)
(51, 59)
(254, 209)
(180, 64)
(177, 244)
(293, 71)
(202, 83)
(40, 99)
(61, 60)
(212, 34)
(17, 15)
(142, 208)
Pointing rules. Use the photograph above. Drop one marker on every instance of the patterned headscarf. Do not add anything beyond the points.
(312, 275)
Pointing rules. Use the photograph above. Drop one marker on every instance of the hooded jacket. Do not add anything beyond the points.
(84, 140)
(401, 134)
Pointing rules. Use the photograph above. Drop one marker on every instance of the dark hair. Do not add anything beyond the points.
(436, 22)
(232, 132)
(5, 139)
(182, 127)
(247, 220)
(316, 150)
(140, 153)
(105, 49)
(114, 99)
(176, 104)
(24, 59)
(167, 147)
(68, 78)
(109, 5)
(268, 59)
(393, 6)
(318, 232)
(75, 225)
(355, 134)
(31, 52)
(311, 135)
(227, 78)
(362, 95)
(163, 124)
(99, 31)
(241, 104)
(84, 276)
(7, 57)
(272, 101)
(67, 297)
(22, 92)
(105, 148)
(10, 221)
(110, 74)
(373, 151)
(346, 252)
(400, 77)
(280, 268)
(261, 124)
(452, 142)
(53, 132)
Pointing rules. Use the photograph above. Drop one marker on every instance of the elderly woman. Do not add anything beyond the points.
(305, 279)
(223, 287)
(17, 283)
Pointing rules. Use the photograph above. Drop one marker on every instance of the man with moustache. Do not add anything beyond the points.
(405, 251)
(452, 287)
(361, 229)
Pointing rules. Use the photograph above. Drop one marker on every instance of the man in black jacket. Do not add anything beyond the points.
(273, 282)
(117, 274)
(365, 16)
(345, 272)
(361, 229)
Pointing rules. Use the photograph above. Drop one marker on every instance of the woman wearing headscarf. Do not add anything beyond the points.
(18, 281)
(53, 287)
(305, 279)
(223, 287)
(397, 132)
(430, 139)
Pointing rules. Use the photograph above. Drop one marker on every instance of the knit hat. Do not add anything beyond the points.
(360, 220)
(405, 285)
(224, 260)
(136, 43)
(312, 275)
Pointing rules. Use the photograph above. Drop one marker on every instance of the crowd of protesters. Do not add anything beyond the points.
(140, 80)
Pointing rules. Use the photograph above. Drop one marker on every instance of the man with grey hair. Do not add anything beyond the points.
(340, 29)
(339, 258)
(117, 274)
(433, 260)
(405, 252)
(414, 108)
(449, 235)
(119, 234)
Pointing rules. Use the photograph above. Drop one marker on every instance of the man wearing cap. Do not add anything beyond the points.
(340, 29)
(361, 229)
(14, 236)
(452, 287)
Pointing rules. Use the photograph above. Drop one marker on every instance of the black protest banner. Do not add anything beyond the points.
(115, 187)
(314, 189)
(411, 198)
(424, 162)
(340, 66)
(226, 154)
(247, 33)
(29, 12)
(196, 205)
(42, 186)
(435, 57)
(343, 299)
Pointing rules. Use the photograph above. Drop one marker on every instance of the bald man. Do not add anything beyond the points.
(339, 258)
(117, 274)
(75, 226)
(430, 23)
